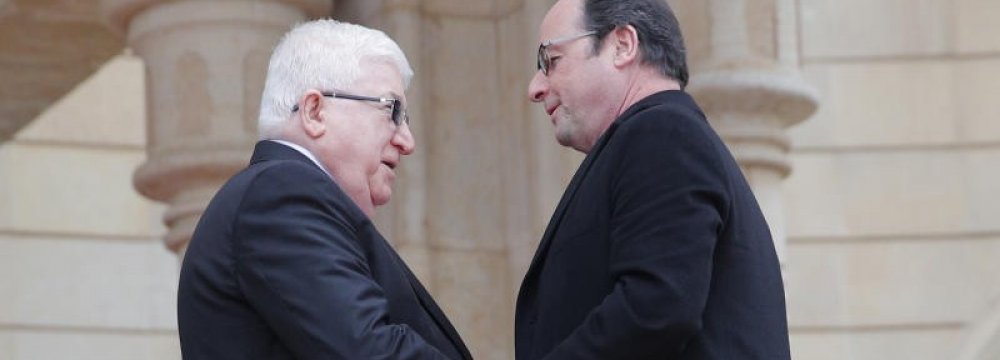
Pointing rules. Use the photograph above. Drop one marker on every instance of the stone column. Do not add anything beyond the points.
(403, 220)
(744, 61)
(462, 202)
(460, 197)
(205, 67)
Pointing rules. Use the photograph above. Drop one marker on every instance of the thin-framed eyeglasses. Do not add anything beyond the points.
(544, 61)
(399, 116)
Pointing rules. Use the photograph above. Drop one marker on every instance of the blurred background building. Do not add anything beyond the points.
(868, 129)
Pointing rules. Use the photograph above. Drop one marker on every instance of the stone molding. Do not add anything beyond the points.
(206, 63)
(119, 13)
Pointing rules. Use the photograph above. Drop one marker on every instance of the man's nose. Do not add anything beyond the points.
(403, 139)
(538, 88)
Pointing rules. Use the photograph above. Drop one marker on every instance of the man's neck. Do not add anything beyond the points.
(645, 82)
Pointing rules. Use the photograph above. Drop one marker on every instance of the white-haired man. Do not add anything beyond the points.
(285, 262)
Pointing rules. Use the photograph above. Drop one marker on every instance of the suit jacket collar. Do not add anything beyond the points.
(270, 150)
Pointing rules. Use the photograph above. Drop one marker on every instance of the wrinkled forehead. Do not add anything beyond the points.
(564, 18)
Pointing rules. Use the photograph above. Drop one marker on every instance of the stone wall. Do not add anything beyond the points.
(894, 201)
(892, 208)
(83, 273)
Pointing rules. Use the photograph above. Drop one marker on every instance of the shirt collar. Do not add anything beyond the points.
(305, 152)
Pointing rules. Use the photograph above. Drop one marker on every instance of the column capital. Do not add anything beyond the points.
(751, 109)
(748, 83)
(206, 64)
(118, 14)
(781, 94)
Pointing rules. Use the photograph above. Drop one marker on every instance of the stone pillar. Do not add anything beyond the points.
(466, 195)
(743, 56)
(462, 211)
(403, 220)
(205, 67)
(460, 197)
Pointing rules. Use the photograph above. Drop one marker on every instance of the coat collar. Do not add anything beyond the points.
(581, 172)
(267, 150)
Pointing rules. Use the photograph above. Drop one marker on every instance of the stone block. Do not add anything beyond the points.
(982, 177)
(910, 344)
(886, 193)
(977, 83)
(473, 288)
(462, 8)
(881, 104)
(886, 28)
(978, 22)
(88, 345)
(463, 152)
(418, 259)
(106, 109)
(79, 190)
(363, 12)
(868, 283)
(88, 283)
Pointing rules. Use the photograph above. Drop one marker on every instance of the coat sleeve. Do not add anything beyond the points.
(669, 204)
(300, 265)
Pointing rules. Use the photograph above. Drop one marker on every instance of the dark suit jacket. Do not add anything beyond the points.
(284, 265)
(657, 250)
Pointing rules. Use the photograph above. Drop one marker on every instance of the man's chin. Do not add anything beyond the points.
(379, 200)
(564, 139)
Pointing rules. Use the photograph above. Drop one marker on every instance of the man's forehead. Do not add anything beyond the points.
(381, 77)
(563, 18)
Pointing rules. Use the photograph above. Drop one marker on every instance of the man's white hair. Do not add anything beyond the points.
(324, 55)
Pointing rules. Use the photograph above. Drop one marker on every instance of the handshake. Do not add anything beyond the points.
(656, 250)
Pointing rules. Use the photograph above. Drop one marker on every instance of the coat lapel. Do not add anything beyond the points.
(564, 203)
(581, 173)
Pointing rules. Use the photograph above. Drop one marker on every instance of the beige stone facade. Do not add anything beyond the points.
(894, 239)
(868, 130)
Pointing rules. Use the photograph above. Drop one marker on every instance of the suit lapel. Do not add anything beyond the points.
(270, 150)
(437, 315)
(429, 305)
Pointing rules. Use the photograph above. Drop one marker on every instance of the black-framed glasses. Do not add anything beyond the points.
(399, 116)
(544, 61)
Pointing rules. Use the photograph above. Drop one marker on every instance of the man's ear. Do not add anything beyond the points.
(309, 115)
(625, 43)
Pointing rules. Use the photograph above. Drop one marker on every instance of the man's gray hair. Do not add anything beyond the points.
(324, 55)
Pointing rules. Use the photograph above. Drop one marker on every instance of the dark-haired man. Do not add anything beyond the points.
(658, 249)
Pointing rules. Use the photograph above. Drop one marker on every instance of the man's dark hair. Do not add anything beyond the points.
(660, 41)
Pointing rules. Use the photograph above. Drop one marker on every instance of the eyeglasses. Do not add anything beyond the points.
(544, 61)
(399, 116)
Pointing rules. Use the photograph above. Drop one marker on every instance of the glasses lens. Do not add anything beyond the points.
(397, 109)
(542, 60)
